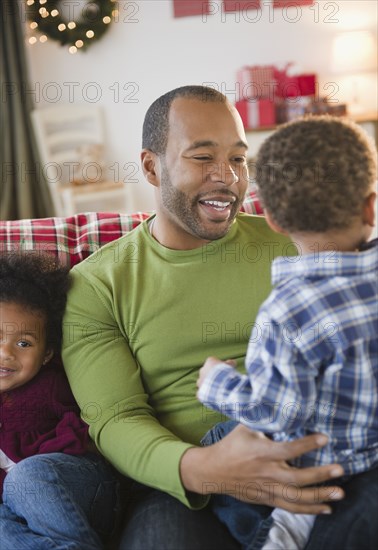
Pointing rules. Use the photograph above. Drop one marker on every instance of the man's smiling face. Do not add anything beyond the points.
(203, 177)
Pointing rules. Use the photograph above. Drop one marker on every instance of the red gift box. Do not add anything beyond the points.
(307, 84)
(286, 86)
(266, 81)
(256, 82)
(258, 113)
(294, 86)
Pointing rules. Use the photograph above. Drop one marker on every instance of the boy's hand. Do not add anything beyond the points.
(208, 365)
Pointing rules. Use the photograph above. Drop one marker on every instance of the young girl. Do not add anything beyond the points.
(42, 438)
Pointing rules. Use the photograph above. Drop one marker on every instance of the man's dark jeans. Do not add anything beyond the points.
(157, 521)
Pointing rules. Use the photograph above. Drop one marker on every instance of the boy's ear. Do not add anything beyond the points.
(273, 225)
(368, 212)
(151, 166)
(48, 355)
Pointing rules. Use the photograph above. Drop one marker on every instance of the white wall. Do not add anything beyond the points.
(147, 52)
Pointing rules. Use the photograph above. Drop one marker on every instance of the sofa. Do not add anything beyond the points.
(74, 238)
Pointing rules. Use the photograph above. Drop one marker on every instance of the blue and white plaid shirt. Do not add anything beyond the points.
(312, 359)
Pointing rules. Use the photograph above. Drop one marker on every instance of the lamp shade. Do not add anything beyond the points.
(354, 52)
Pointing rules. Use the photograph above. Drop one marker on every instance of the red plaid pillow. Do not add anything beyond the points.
(251, 204)
(73, 239)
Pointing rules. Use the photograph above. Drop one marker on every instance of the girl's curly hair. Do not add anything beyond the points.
(37, 281)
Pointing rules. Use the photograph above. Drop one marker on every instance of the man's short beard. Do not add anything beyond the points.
(177, 203)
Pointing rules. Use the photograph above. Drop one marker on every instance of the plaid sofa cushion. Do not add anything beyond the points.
(73, 239)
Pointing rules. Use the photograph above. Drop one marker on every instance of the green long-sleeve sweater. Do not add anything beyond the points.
(140, 321)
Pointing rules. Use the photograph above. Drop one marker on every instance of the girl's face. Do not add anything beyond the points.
(22, 345)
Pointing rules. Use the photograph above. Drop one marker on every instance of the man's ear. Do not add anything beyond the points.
(368, 211)
(272, 224)
(48, 355)
(151, 167)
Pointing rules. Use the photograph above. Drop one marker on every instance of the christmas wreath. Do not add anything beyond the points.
(75, 24)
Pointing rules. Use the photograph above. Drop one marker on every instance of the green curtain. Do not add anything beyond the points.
(23, 190)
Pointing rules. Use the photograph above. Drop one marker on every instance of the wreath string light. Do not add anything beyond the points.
(84, 27)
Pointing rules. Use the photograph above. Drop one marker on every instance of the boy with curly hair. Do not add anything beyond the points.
(312, 359)
(39, 419)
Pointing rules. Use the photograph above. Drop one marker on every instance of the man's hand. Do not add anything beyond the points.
(208, 365)
(252, 468)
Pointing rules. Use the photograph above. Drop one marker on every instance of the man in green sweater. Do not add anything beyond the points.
(146, 310)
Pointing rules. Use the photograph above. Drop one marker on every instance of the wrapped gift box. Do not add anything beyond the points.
(307, 84)
(256, 82)
(257, 113)
(295, 85)
(267, 81)
(289, 109)
(323, 107)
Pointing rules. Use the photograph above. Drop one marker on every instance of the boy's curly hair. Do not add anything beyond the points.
(38, 282)
(313, 174)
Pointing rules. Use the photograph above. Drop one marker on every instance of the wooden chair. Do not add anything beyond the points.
(70, 138)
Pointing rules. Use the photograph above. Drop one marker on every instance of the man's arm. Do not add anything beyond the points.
(252, 468)
(106, 382)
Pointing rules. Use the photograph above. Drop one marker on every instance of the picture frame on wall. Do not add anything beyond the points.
(186, 8)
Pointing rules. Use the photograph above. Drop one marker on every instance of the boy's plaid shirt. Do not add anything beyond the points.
(312, 359)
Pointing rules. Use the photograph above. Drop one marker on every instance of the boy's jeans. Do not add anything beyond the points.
(249, 524)
(58, 501)
(353, 523)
